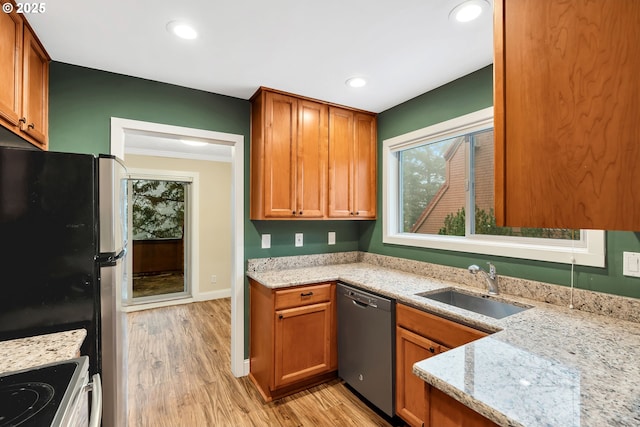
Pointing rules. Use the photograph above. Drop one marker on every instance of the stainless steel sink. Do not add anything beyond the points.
(478, 304)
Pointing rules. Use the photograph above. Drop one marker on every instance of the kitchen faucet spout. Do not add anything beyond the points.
(491, 277)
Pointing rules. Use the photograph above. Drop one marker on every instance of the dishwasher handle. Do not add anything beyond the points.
(359, 304)
(358, 300)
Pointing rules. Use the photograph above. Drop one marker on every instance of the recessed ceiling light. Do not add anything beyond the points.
(193, 143)
(356, 82)
(468, 11)
(182, 30)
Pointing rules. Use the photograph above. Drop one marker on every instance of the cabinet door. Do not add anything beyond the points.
(411, 398)
(11, 28)
(364, 166)
(35, 95)
(341, 125)
(445, 411)
(302, 342)
(281, 117)
(352, 164)
(566, 114)
(311, 156)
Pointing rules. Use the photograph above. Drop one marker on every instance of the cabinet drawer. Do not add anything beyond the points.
(303, 295)
(436, 328)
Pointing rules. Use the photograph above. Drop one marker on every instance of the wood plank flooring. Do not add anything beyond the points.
(179, 375)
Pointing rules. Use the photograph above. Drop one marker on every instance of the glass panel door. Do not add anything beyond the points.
(159, 233)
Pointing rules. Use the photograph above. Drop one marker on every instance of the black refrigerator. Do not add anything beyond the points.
(62, 249)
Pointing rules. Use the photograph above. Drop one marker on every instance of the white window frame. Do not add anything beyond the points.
(589, 250)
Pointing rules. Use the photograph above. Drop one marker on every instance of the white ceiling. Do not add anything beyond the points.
(404, 48)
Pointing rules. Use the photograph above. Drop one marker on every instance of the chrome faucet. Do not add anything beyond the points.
(491, 277)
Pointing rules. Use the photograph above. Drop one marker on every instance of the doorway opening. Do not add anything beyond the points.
(159, 237)
(122, 128)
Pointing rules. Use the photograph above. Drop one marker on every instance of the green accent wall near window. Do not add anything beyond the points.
(462, 96)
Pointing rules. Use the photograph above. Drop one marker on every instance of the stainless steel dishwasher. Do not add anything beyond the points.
(366, 337)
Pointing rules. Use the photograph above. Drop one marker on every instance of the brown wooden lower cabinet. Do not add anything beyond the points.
(420, 335)
(445, 411)
(293, 342)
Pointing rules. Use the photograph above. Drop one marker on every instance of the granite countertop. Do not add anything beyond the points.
(545, 366)
(25, 353)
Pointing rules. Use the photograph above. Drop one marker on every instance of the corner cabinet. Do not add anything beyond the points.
(310, 160)
(566, 114)
(420, 335)
(352, 164)
(293, 342)
(24, 68)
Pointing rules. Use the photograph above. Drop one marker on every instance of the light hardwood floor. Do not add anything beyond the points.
(179, 375)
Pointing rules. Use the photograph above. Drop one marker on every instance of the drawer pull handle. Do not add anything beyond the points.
(306, 294)
(432, 350)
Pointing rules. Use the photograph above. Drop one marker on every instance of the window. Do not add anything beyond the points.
(438, 193)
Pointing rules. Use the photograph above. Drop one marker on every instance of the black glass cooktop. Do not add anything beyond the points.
(31, 398)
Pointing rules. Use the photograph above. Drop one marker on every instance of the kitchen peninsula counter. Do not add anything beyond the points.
(545, 366)
(25, 353)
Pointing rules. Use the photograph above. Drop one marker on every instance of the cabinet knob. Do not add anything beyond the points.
(293, 212)
(280, 316)
(31, 126)
(300, 212)
(350, 213)
(357, 212)
(23, 120)
(432, 350)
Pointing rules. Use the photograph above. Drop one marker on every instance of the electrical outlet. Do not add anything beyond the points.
(214, 278)
(299, 240)
(332, 238)
(631, 264)
(266, 241)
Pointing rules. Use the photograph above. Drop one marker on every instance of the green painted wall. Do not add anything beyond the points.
(465, 95)
(82, 101)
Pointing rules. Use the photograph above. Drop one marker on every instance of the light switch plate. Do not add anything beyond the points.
(299, 239)
(631, 264)
(266, 241)
(332, 238)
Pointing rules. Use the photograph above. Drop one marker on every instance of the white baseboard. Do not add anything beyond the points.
(158, 304)
(206, 296)
(247, 367)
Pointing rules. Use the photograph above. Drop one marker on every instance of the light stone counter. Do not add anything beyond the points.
(546, 366)
(25, 353)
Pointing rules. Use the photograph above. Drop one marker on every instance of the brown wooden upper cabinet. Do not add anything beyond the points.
(352, 164)
(289, 139)
(567, 114)
(24, 70)
(311, 160)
